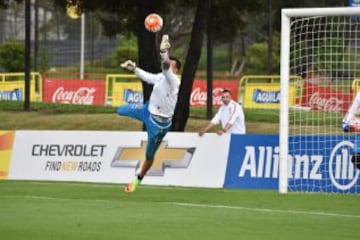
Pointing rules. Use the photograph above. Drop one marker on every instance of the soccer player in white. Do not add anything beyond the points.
(230, 115)
(351, 123)
(157, 113)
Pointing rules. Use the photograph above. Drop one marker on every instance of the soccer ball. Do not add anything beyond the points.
(153, 22)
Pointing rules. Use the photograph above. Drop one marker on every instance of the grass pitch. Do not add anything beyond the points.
(61, 210)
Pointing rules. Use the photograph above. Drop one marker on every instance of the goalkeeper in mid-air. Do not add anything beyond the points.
(351, 123)
(157, 113)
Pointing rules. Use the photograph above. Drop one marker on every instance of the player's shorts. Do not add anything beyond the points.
(155, 126)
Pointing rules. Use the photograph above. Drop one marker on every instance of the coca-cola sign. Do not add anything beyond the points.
(325, 99)
(198, 95)
(331, 104)
(83, 92)
(82, 95)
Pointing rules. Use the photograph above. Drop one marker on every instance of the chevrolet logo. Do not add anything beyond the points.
(133, 157)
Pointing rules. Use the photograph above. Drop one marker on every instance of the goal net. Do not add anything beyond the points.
(322, 45)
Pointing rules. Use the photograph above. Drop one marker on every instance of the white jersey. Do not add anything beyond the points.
(164, 96)
(350, 115)
(233, 114)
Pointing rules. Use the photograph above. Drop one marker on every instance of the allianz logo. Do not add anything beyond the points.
(263, 162)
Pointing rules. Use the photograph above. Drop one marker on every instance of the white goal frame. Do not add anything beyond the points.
(286, 14)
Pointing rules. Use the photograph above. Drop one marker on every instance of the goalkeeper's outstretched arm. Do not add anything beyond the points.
(350, 122)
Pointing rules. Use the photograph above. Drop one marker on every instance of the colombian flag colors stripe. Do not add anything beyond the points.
(6, 145)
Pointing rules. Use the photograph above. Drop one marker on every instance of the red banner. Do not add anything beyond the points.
(199, 92)
(325, 99)
(84, 92)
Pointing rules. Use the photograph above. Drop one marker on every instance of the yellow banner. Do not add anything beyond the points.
(266, 95)
(6, 145)
(15, 91)
(126, 92)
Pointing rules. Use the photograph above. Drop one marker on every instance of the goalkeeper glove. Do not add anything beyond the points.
(346, 127)
(351, 127)
(129, 65)
(165, 43)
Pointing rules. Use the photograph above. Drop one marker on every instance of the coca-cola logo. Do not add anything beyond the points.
(330, 104)
(82, 95)
(199, 97)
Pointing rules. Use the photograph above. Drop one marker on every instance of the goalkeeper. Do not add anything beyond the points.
(352, 124)
(157, 113)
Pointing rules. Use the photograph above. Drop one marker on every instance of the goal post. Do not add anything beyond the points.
(320, 44)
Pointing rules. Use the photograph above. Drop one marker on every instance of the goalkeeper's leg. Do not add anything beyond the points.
(355, 159)
(133, 110)
(156, 132)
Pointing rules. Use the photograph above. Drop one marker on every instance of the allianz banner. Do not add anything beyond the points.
(321, 164)
(253, 162)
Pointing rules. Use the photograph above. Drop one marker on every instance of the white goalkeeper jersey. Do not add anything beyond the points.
(233, 114)
(350, 115)
(165, 91)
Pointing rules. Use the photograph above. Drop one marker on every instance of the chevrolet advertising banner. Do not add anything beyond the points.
(183, 159)
(248, 161)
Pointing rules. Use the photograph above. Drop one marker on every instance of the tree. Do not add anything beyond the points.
(6, 3)
(12, 56)
(223, 19)
(192, 61)
(128, 16)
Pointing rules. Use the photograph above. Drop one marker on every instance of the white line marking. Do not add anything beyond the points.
(112, 185)
(267, 210)
(57, 198)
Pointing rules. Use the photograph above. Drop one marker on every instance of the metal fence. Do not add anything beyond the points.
(56, 39)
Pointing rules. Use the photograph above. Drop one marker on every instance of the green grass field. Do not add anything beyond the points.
(82, 117)
(68, 210)
(60, 210)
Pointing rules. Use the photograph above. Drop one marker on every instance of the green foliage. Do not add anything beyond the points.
(127, 49)
(237, 14)
(220, 59)
(329, 57)
(12, 55)
(4, 4)
(257, 57)
(45, 60)
(342, 57)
